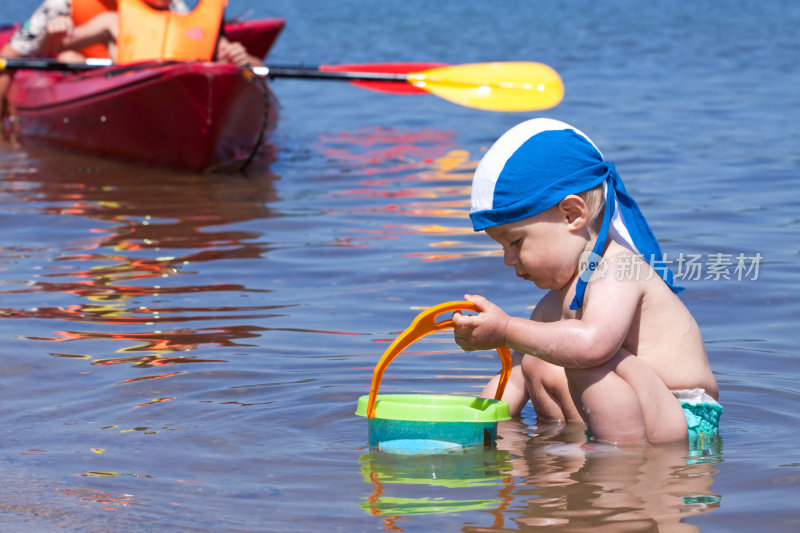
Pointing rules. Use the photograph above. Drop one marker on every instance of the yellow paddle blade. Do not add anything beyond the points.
(502, 86)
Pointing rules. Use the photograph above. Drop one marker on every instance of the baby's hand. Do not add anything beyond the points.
(483, 331)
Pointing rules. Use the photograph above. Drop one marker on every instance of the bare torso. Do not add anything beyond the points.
(663, 333)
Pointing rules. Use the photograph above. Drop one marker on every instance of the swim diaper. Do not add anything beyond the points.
(702, 417)
(701, 410)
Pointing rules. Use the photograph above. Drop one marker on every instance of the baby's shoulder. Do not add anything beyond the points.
(621, 262)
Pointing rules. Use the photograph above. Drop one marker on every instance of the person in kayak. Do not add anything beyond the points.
(610, 344)
(46, 33)
(73, 30)
(154, 29)
(149, 29)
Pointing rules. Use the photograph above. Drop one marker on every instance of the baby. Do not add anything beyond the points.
(610, 343)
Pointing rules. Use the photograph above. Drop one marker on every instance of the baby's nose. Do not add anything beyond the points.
(510, 259)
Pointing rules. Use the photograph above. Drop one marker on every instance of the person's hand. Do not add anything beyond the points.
(235, 53)
(57, 29)
(60, 27)
(483, 331)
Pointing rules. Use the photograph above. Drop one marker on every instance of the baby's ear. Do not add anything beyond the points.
(574, 210)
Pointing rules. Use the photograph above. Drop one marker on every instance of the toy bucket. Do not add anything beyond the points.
(424, 424)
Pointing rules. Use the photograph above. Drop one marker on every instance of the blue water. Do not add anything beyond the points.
(185, 352)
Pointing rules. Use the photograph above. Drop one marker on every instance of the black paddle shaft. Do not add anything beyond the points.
(42, 63)
(315, 73)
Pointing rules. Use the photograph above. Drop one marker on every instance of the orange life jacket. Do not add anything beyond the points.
(85, 10)
(147, 33)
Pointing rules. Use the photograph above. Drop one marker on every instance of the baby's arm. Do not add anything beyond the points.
(609, 312)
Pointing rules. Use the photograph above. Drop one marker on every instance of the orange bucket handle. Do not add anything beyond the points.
(423, 324)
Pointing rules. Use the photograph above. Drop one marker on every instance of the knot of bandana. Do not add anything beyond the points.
(524, 174)
(625, 221)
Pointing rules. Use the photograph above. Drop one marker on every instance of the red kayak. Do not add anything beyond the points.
(196, 116)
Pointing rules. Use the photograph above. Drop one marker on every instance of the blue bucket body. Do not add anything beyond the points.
(412, 436)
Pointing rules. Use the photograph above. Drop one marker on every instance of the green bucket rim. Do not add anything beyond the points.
(435, 408)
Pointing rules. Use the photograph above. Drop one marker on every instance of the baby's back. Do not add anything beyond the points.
(668, 339)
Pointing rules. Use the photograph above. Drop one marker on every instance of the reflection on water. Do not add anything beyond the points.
(146, 235)
(384, 151)
(404, 485)
(107, 501)
(549, 479)
(569, 485)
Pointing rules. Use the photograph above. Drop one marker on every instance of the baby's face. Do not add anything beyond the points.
(540, 249)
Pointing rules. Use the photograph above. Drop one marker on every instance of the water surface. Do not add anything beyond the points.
(184, 352)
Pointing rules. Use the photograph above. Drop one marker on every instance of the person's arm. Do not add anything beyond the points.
(29, 39)
(609, 312)
(102, 28)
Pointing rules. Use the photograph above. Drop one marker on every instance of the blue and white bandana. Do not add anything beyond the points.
(535, 165)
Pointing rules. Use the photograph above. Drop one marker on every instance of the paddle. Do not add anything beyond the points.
(500, 86)
(400, 86)
(394, 87)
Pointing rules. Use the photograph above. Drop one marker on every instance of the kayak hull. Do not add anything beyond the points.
(197, 116)
(191, 116)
